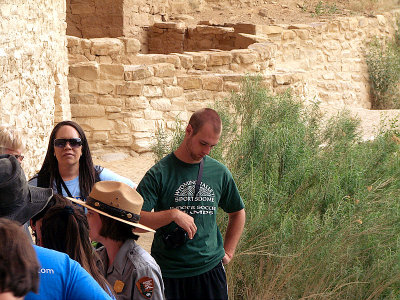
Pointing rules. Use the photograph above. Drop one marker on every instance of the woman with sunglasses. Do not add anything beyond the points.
(68, 166)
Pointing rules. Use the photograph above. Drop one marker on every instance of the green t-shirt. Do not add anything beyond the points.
(170, 184)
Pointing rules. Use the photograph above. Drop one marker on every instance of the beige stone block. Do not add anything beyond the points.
(137, 103)
(363, 22)
(381, 20)
(265, 50)
(231, 87)
(186, 61)
(162, 104)
(153, 115)
(85, 110)
(132, 72)
(121, 140)
(132, 45)
(212, 83)
(189, 82)
(303, 34)
(72, 83)
(153, 81)
(100, 136)
(178, 104)
(244, 56)
(141, 145)
(107, 60)
(198, 95)
(199, 61)
(91, 124)
(112, 71)
(85, 70)
(268, 29)
(162, 58)
(105, 87)
(87, 87)
(121, 127)
(173, 91)
(115, 116)
(113, 109)
(106, 46)
(152, 91)
(164, 70)
(130, 88)
(288, 35)
(111, 101)
(219, 59)
(169, 81)
(142, 125)
(82, 99)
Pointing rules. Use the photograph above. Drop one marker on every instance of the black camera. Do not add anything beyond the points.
(175, 238)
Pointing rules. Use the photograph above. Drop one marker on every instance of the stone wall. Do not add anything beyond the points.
(122, 104)
(170, 37)
(120, 96)
(33, 71)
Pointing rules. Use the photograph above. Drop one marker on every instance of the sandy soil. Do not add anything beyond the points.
(282, 11)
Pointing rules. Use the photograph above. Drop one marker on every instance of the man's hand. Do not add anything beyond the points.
(227, 258)
(185, 221)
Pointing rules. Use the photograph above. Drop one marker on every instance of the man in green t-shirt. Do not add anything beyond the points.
(192, 267)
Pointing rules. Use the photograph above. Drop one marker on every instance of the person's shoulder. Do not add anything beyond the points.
(139, 257)
(212, 162)
(107, 174)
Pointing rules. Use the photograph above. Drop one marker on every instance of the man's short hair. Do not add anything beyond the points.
(19, 267)
(10, 138)
(205, 115)
(116, 230)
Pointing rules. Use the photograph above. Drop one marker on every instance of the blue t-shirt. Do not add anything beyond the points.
(73, 185)
(63, 278)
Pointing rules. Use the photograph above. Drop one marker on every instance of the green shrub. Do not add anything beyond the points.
(323, 212)
(383, 61)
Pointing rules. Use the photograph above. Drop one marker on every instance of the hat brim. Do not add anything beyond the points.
(33, 204)
(138, 225)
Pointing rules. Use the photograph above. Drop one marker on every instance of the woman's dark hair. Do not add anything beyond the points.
(116, 230)
(19, 267)
(49, 173)
(65, 228)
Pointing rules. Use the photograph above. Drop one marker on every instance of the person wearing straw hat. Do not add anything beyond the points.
(113, 213)
(60, 276)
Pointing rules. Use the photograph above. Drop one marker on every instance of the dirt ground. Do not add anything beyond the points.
(283, 11)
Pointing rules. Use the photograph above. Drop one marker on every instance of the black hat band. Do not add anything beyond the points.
(113, 211)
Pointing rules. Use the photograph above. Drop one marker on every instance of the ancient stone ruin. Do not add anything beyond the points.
(121, 71)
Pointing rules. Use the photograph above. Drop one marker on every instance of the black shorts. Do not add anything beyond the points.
(207, 286)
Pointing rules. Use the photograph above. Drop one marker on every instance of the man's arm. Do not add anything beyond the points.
(233, 233)
(158, 219)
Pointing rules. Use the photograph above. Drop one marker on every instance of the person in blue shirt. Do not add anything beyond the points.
(68, 166)
(19, 267)
(60, 276)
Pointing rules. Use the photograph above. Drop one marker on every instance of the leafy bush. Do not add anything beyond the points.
(383, 63)
(323, 212)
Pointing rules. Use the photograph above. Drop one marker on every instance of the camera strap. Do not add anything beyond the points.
(198, 180)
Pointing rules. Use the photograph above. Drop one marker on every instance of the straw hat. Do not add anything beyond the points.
(115, 200)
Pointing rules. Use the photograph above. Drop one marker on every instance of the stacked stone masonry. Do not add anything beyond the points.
(121, 96)
(33, 72)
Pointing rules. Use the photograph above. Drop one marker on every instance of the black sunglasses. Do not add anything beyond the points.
(74, 143)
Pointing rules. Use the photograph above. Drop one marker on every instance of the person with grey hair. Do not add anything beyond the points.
(11, 142)
(60, 276)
